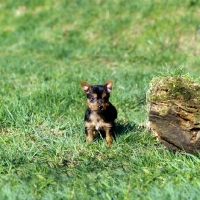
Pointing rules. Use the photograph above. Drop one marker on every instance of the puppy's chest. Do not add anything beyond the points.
(97, 122)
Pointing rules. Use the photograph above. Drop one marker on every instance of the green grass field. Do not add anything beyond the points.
(46, 49)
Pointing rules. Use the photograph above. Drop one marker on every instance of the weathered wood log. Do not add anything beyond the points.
(174, 112)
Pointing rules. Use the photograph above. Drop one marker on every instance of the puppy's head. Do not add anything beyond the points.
(97, 95)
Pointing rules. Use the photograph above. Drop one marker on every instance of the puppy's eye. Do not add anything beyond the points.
(92, 99)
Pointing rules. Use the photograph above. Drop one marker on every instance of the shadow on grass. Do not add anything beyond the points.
(123, 128)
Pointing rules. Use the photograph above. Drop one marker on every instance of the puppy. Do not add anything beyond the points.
(100, 114)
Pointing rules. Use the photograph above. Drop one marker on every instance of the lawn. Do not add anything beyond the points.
(46, 49)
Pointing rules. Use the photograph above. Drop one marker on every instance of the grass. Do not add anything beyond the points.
(46, 49)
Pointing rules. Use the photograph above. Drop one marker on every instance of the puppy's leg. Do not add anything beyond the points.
(108, 138)
(89, 135)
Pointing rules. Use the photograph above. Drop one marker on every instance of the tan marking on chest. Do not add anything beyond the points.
(97, 122)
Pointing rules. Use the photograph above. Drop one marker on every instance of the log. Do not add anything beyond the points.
(174, 112)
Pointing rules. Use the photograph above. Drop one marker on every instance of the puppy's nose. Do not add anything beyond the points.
(100, 107)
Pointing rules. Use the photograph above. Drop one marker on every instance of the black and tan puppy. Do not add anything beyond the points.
(100, 114)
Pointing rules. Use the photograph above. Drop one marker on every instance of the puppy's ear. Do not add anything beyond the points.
(86, 87)
(108, 85)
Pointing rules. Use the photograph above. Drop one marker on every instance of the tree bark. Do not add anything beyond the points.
(174, 112)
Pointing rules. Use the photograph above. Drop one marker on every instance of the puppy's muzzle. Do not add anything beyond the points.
(100, 107)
